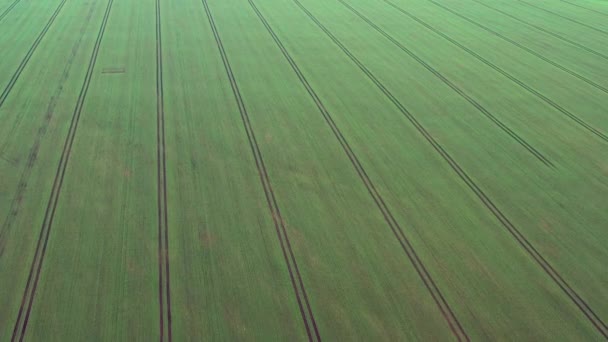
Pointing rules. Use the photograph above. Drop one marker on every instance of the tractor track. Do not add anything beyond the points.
(29, 294)
(164, 297)
(514, 79)
(553, 34)
(455, 88)
(24, 61)
(522, 47)
(290, 260)
(583, 7)
(564, 17)
(486, 201)
(8, 9)
(32, 156)
(411, 254)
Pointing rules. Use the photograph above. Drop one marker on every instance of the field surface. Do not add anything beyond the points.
(285, 170)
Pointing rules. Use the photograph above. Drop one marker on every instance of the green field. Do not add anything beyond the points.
(283, 170)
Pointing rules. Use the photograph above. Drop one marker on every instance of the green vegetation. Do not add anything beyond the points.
(303, 170)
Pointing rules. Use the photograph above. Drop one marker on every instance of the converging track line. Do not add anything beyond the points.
(34, 275)
(530, 51)
(486, 201)
(32, 156)
(164, 297)
(564, 17)
(413, 257)
(10, 8)
(11, 83)
(581, 46)
(279, 224)
(583, 7)
(536, 93)
(454, 87)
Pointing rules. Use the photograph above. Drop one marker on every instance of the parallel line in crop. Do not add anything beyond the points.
(583, 7)
(24, 61)
(515, 80)
(564, 17)
(164, 297)
(45, 230)
(268, 191)
(530, 51)
(10, 8)
(161, 165)
(560, 37)
(409, 250)
(22, 184)
(454, 87)
(487, 202)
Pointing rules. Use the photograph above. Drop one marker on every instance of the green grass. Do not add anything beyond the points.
(349, 170)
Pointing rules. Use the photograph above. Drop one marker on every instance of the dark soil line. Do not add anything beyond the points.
(10, 8)
(515, 80)
(15, 205)
(409, 250)
(528, 50)
(564, 17)
(161, 164)
(581, 46)
(454, 87)
(583, 7)
(37, 262)
(514, 231)
(275, 212)
(11, 83)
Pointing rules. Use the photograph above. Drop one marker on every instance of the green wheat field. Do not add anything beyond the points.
(286, 170)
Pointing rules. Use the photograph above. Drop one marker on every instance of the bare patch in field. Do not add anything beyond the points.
(127, 173)
(361, 274)
(548, 247)
(113, 70)
(546, 226)
(234, 320)
(206, 238)
(134, 269)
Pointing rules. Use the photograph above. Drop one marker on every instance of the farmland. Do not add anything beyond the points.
(303, 170)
